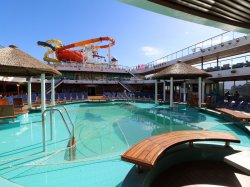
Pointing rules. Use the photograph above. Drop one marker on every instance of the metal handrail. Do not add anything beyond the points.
(73, 126)
(51, 128)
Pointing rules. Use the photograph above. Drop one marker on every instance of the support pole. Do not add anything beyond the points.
(202, 63)
(43, 96)
(53, 91)
(199, 94)
(203, 91)
(109, 59)
(156, 92)
(29, 93)
(164, 90)
(184, 92)
(171, 92)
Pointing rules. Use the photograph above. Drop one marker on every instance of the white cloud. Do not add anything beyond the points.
(151, 51)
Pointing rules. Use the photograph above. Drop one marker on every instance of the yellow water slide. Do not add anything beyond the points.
(56, 44)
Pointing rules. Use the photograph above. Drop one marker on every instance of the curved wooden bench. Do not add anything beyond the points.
(147, 152)
(235, 114)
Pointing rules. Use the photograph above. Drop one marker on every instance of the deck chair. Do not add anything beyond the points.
(18, 103)
(4, 102)
(7, 111)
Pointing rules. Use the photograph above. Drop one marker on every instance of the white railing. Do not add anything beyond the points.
(221, 62)
(96, 66)
(201, 46)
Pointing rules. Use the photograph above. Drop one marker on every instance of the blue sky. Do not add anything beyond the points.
(141, 36)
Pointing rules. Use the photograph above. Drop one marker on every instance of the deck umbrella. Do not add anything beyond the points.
(15, 62)
(181, 70)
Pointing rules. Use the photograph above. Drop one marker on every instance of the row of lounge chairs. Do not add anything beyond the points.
(236, 108)
(128, 95)
(227, 66)
(35, 98)
(240, 104)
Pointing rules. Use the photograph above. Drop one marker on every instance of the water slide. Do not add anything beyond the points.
(52, 45)
(65, 53)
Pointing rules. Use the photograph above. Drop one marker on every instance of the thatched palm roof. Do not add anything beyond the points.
(14, 62)
(181, 71)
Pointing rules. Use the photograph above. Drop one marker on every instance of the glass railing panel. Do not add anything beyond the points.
(247, 58)
(185, 52)
(216, 40)
(206, 44)
(224, 62)
(238, 35)
(227, 36)
(206, 65)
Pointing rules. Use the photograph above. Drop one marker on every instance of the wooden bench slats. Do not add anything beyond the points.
(139, 148)
(147, 152)
(233, 113)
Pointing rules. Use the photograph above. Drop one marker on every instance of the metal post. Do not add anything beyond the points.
(109, 54)
(43, 96)
(29, 93)
(203, 91)
(171, 92)
(199, 94)
(51, 124)
(53, 91)
(164, 90)
(156, 92)
(44, 132)
(202, 63)
(184, 91)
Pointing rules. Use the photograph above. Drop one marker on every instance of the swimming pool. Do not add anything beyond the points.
(103, 132)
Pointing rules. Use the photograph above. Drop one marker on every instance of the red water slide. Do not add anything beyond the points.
(65, 53)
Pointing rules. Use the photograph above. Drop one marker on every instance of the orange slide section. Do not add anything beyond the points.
(65, 54)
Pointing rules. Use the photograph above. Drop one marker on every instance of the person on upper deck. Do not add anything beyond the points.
(228, 96)
(236, 95)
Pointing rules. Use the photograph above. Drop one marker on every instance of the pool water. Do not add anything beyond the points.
(103, 132)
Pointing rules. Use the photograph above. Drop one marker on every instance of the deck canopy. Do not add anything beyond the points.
(14, 62)
(181, 71)
(231, 15)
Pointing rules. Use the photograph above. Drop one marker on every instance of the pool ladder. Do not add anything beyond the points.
(51, 111)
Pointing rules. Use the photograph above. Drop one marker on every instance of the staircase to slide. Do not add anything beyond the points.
(128, 87)
(133, 75)
(59, 82)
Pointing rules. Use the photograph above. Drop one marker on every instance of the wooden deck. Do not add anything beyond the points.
(235, 114)
(147, 152)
